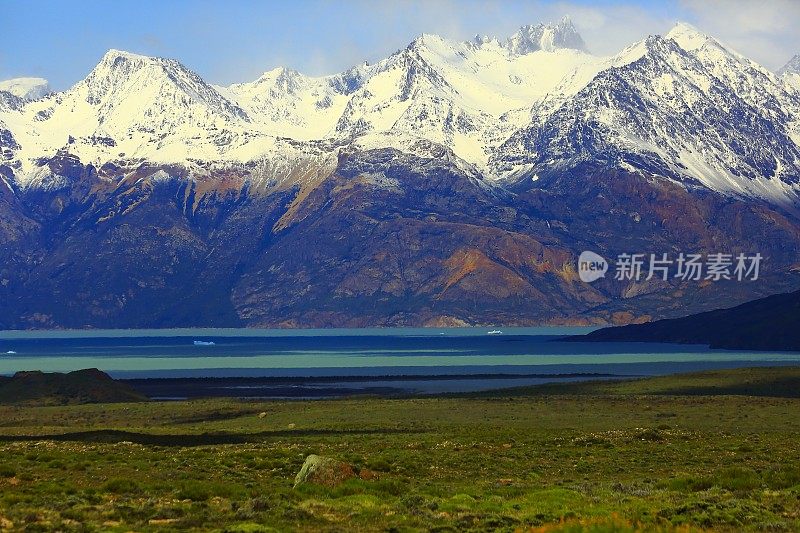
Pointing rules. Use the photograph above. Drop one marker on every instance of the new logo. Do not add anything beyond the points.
(591, 266)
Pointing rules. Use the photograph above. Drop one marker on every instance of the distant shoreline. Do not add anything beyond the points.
(183, 388)
(12, 334)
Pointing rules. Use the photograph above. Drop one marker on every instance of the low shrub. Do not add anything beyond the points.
(121, 486)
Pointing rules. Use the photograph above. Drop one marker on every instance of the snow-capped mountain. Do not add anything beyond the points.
(129, 107)
(682, 106)
(462, 95)
(26, 88)
(467, 96)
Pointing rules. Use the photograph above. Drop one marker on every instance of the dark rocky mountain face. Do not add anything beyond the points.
(387, 239)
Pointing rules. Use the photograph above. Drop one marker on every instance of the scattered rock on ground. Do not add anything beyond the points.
(324, 471)
(330, 472)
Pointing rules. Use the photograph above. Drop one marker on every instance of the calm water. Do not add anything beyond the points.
(314, 363)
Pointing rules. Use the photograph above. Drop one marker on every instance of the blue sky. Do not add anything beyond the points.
(236, 40)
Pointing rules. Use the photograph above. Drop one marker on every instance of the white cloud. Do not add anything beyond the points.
(227, 48)
(747, 16)
(609, 29)
(606, 29)
(766, 31)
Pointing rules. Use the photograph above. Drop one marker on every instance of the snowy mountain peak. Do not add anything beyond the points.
(278, 72)
(121, 79)
(118, 66)
(113, 54)
(429, 41)
(687, 36)
(26, 88)
(547, 37)
(281, 79)
(792, 67)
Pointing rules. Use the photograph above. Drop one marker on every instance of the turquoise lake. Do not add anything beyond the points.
(427, 360)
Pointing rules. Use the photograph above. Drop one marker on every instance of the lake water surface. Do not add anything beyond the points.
(321, 363)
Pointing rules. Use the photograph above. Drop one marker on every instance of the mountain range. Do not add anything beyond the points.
(452, 183)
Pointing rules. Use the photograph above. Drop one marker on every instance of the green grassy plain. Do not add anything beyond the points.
(686, 452)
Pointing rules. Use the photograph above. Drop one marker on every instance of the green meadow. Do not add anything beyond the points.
(710, 451)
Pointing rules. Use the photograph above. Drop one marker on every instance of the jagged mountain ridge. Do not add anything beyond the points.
(477, 98)
(544, 37)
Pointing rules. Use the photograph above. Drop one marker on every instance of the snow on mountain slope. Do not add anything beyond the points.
(792, 67)
(491, 76)
(26, 88)
(289, 104)
(790, 72)
(681, 106)
(745, 77)
(468, 96)
(451, 93)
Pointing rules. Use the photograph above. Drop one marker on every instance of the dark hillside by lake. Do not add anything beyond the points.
(771, 323)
